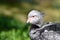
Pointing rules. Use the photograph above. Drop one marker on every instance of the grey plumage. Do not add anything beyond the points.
(40, 30)
(51, 32)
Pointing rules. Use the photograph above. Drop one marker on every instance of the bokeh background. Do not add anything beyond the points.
(13, 16)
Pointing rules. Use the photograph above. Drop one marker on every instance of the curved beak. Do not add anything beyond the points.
(29, 20)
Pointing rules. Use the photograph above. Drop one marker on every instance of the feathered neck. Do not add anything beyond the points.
(33, 26)
(41, 23)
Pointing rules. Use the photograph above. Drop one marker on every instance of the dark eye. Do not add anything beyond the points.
(33, 16)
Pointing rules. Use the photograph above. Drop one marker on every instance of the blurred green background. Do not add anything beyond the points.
(13, 16)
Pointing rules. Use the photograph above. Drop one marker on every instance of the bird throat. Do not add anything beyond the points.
(40, 24)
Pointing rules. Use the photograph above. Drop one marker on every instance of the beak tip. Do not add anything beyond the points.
(27, 21)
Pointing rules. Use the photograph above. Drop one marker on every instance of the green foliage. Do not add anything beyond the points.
(12, 29)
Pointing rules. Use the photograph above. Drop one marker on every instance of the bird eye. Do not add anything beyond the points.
(33, 16)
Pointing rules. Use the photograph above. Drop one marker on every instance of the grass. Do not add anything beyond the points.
(12, 29)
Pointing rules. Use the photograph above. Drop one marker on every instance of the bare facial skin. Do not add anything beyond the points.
(35, 17)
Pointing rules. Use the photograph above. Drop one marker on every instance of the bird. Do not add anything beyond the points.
(40, 30)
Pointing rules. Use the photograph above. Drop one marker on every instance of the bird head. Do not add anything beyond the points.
(35, 17)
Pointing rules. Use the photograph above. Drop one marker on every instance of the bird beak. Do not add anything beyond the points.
(29, 20)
